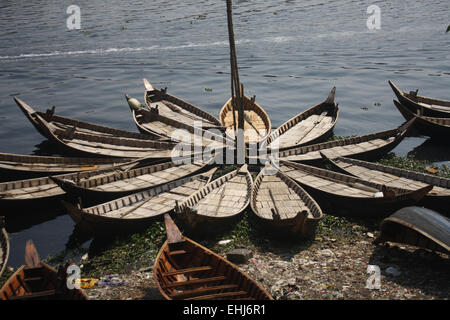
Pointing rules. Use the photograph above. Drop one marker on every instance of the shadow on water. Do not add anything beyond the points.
(432, 151)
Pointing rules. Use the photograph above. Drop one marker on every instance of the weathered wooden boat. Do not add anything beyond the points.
(4, 246)
(174, 108)
(37, 280)
(437, 198)
(64, 124)
(218, 202)
(186, 270)
(118, 183)
(437, 128)
(281, 203)
(107, 146)
(367, 147)
(152, 121)
(136, 211)
(345, 195)
(428, 106)
(416, 226)
(257, 125)
(308, 127)
(34, 166)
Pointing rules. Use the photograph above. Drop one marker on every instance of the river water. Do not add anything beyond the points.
(290, 55)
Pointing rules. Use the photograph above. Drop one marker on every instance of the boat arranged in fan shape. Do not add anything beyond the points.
(438, 197)
(150, 120)
(4, 246)
(345, 195)
(174, 108)
(118, 183)
(367, 147)
(34, 166)
(218, 202)
(136, 211)
(428, 106)
(437, 128)
(257, 125)
(64, 124)
(281, 203)
(417, 226)
(37, 280)
(186, 270)
(308, 127)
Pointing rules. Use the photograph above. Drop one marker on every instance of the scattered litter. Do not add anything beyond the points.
(224, 242)
(432, 170)
(370, 234)
(393, 271)
(88, 283)
(111, 280)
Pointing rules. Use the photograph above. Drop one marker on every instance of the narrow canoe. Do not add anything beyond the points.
(283, 204)
(308, 127)
(437, 128)
(367, 147)
(177, 109)
(429, 107)
(416, 226)
(217, 203)
(257, 125)
(4, 246)
(186, 270)
(136, 211)
(345, 195)
(438, 198)
(37, 280)
(35, 166)
(119, 183)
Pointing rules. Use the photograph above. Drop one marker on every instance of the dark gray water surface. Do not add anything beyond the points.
(290, 54)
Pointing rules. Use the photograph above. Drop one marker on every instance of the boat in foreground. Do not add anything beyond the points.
(4, 246)
(37, 280)
(186, 270)
(416, 226)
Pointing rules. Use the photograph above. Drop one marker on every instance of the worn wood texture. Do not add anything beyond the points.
(4, 246)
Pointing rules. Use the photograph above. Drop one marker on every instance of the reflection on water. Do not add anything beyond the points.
(432, 151)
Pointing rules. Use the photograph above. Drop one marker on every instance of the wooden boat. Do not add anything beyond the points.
(118, 183)
(136, 211)
(174, 108)
(367, 147)
(438, 197)
(4, 246)
(34, 166)
(416, 226)
(185, 270)
(341, 194)
(152, 121)
(64, 124)
(37, 280)
(308, 127)
(107, 146)
(257, 125)
(283, 204)
(428, 106)
(218, 202)
(437, 128)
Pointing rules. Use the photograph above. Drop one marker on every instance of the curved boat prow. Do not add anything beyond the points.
(173, 233)
(148, 85)
(31, 256)
(330, 98)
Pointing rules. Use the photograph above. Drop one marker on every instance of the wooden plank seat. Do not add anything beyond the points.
(201, 291)
(219, 295)
(187, 271)
(194, 281)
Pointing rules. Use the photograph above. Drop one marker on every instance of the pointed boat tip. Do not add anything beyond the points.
(331, 96)
(174, 234)
(148, 86)
(127, 97)
(31, 255)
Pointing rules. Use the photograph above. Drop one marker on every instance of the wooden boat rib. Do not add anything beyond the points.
(347, 195)
(438, 197)
(186, 270)
(282, 203)
(46, 165)
(308, 127)
(437, 128)
(428, 106)
(418, 227)
(219, 201)
(177, 109)
(118, 183)
(64, 123)
(257, 125)
(37, 280)
(138, 210)
(106, 146)
(367, 147)
(4, 246)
